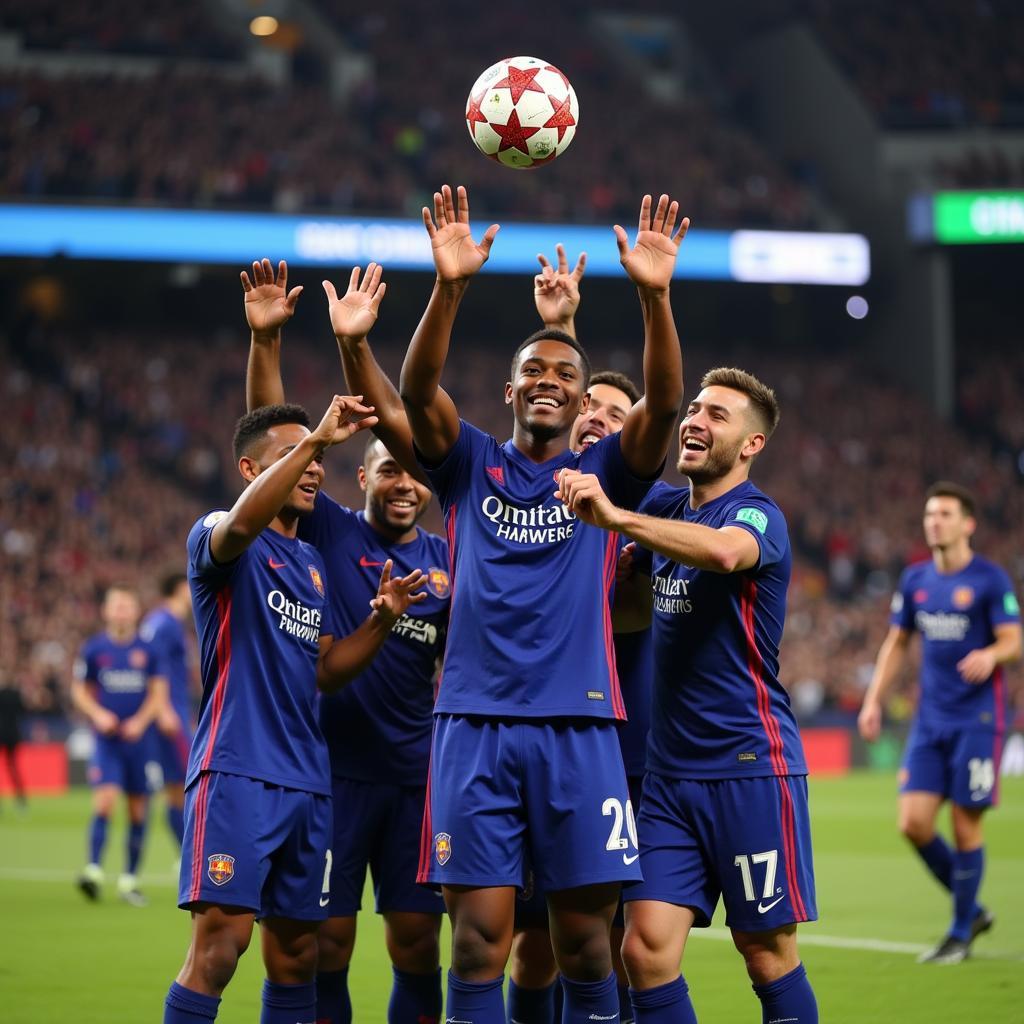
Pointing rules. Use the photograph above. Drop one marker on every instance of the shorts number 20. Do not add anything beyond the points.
(612, 808)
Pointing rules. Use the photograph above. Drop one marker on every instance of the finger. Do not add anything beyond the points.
(385, 574)
(449, 204)
(257, 273)
(581, 266)
(463, 206)
(332, 295)
(417, 598)
(353, 279)
(282, 274)
(364, 424)
(428, 223)
(268, 270)
(684, 226)
(658, 220)
(622, 242)
(488, 240)
(415, 578)
(543, 260)
(645, 213)
(246, 283)
(377, 296)
(293, 297)
(670, 217)
(439, 217)
(563, 261)
(372, 279)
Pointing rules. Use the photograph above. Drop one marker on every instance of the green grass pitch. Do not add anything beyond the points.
(64, 959)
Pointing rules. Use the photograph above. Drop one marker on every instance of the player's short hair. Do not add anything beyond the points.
(948, 489)
(762, 398)
(614, 379)
(119, 587)
(170, 581)
(372, 441)
(553, 334)
(254, 425)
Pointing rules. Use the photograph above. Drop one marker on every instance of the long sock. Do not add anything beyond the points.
(97, 838)
(176, 821)
(136, 837)
(183, 1006)
(666, 1004)
(587, 1001)
(625, 1006)
(938, 856)
(333, 1004)
(475, 1002)
(532, 1005)
(968, 868)
(415, 998)
(286, 1004)
(789, 998)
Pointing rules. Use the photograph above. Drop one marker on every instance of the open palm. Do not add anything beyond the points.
(268, 303)
(652, 260)
(456, 255)
(355, 313)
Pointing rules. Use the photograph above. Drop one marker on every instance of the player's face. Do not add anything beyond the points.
(393, 498)
(606, 414)
(945, 522)
(280, 441)
(548, 391)
(120, 611)
(713, 433)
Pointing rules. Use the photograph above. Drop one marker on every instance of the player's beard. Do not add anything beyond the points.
(720, 461)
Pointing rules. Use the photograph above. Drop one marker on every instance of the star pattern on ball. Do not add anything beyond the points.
(514, 135)
(561, 117)
(552, 68)
(519, 81)
(474, 115)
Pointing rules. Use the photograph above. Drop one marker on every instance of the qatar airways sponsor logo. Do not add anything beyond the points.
(297, 620)
(541, 524)
(671, 595)
(942, 625)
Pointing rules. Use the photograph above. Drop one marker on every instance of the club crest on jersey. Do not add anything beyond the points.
(137, 658)
(920, 596)
(963, 597)
(220, 868)
(438, 582)
(443, 848)
(314, 574)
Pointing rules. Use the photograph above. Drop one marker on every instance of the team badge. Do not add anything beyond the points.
(214, 518)
(443, 848)
(220, 868)
(963, 597)
(137, 658)
(438, 582)
(314, 574)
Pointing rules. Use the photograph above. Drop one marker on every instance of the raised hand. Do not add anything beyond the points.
(652, 260)
(585, 498)
(268, 303)
(556, 292)
(456, 256)
(336, 427)
(355, 313)
(395, 595)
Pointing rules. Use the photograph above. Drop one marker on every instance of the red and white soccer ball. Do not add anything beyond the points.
(522, 112)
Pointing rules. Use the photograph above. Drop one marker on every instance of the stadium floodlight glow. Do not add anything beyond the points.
(857, 307)
(263, 25)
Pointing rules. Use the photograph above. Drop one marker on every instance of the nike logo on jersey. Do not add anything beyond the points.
(762, 909)
(275, 565)
(324, 900)
(629, 860)
(366, 563)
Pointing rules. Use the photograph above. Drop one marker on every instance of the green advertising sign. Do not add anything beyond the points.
(979, 217)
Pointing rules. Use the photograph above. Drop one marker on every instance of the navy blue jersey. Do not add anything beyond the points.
(530, 631)
(117, 674)
(378, 727)
(163, 631)
(955, 614)
(259, 620)
(634, 658)
(719, 710)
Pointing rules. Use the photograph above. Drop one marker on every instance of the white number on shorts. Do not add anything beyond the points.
(743, 862)
(983, 776)
(328, 861)
(616, 840)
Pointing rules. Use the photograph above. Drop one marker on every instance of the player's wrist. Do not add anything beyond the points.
(266, 336)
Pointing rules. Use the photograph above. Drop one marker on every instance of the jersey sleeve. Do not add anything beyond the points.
(328, 621)
(606, 460)
(764, 521)
(1003, 607)
(200, 559)
(327, 523)
(449, 476)
(157, 643)
(901, 609)
(84, 669)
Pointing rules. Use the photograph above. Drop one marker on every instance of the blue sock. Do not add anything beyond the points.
(475, 1002)
(333, 1004)
(532, 1005)
(136, 837)
(97, 838)
(176, 820)
(286, 1004)
(968, 867)
(415, 998)
(666, 1004)
(938, 855)
(625, 1006)
(183, 1006)
(590, 1000)
(789, 998)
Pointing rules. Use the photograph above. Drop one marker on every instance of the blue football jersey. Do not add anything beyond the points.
(259, 620)
(378, 727)
(530, 632)
(166, 635)
(634, 659)
(117, 674)
(719, 710)
(955, 614)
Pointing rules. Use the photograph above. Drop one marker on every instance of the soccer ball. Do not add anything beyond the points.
(522, 112)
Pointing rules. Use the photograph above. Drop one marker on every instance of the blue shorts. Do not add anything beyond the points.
(961, 765)
(504, 795)
(373, 824)
(746, 840)
(173, 755)
(258, 846)
(116, 762)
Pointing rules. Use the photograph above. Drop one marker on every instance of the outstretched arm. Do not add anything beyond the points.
(269, 305)
(556, 292)
(432, 414)
(891, 656)
(650, 264)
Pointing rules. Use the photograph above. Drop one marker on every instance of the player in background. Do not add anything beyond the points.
(257, 809)
(164, 630)
(966, 611)
(378, 728)
(534, 994)
(12, 709)
(724, 807)
(525, 760)
(117, 685)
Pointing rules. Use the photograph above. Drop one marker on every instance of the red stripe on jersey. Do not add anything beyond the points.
(199, 836)
(755, 666)
(426, 832)
(789, 850)
(611, 559)
(1000, 719)
(223, 666)
(449, 528)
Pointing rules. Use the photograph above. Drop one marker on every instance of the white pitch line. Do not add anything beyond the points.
(63, 875)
